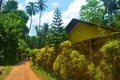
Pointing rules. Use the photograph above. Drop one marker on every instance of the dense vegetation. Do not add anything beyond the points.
(106, 12)
(70, 64)
(49, 48)
(12, 30)
(14, 34)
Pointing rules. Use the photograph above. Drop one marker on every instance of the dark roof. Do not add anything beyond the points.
(73, 22)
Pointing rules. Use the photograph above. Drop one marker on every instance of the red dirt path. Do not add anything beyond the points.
(22, 71)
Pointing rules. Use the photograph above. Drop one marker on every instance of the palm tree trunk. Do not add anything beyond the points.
(30, 24)
(40, 19)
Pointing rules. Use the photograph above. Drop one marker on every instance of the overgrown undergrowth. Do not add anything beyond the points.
(43, 73)
(73, 64)
(4, 72)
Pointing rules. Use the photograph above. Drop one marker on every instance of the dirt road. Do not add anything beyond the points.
(22, 71)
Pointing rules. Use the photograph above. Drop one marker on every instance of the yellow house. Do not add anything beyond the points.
(80, 30)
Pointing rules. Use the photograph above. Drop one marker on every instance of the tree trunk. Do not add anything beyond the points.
(40, 19)
(30, 24)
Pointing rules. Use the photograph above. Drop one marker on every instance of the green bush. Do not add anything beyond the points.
(111, 49)
(70, 64)
(100, 72)
(44, 57)
(111, 53)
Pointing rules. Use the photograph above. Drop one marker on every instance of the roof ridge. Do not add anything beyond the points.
(75, 21)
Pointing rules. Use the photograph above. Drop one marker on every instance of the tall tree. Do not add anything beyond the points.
(24, 18)
(57, 27)
(105, 13)
(32, 41)
(10, 34)
(10, 6)
(112, 8)
(31, 9)
(41, 7)
(92, 7)
(43, 35)
(110, 5)
(57, 19)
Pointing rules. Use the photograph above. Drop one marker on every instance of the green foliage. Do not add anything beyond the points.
(100, 72)
(111, 5)
(48, 36)
(111, 53)
(57, 21)
(45, 57)
(41, 7)
(111, 49)
(5, 70)
(22, 46)
(10, 5)
(93, 7)
(66, 44)
(70, 64)
(32, 41)
(43, 35)
(57, 30)
(44, 74)
(105, 12)
(10, 33)
(24, 19)
(31, 9)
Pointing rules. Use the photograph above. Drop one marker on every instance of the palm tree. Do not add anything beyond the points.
(41, 7)
(31, 9)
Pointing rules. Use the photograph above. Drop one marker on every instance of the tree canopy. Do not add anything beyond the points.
(106, 12)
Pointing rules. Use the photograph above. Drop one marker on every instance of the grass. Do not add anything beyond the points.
(5, 70)
(45, 75)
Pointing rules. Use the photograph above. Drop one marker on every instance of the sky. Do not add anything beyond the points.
(69, 9)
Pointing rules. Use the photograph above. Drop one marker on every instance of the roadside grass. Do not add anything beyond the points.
(5, 71)
(44, 74)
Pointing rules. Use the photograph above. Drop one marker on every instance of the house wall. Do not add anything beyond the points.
(82, 31)
(96, 44)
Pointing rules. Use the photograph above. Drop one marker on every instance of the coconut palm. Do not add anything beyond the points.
(31, 9)
(41, 8)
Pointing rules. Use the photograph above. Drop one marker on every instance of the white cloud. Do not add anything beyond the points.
(46, 18)
(55, 4)
(34, 23)
(27, 1)
(72, 11)
(20, 7)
